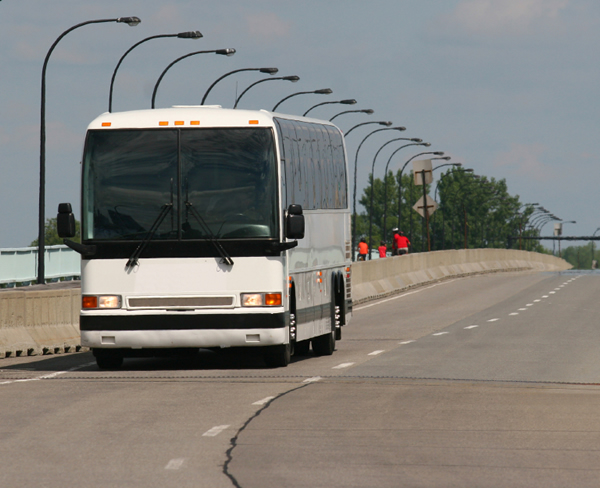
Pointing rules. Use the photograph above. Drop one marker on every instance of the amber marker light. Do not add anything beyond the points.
(89, 302)
(273, 299)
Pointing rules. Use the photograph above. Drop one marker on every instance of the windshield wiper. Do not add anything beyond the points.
(213, 240)
(133, 260)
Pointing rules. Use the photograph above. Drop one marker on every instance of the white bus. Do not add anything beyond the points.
(204, 227)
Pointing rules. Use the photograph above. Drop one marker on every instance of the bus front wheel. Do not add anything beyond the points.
(108, 360)
(278, 356)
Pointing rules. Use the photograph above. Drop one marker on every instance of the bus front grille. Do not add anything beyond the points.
(181, 302)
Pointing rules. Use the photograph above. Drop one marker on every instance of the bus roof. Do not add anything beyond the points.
(193, 116)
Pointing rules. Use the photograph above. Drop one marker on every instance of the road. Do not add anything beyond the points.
(491, 380)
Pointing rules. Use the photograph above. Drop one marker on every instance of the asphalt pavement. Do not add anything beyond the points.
(491, 380)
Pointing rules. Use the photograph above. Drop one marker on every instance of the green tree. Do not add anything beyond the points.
(51, 237)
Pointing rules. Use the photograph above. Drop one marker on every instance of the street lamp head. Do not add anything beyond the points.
(446, 158)
(324, 91)
(416, 139)
(468, 170)
(457, 164)
(270, 71)
(439, 153)
(387, 124)
(226, 52)
(426, 144)
(190, 35)
(368, 111)
(292, 78)
(399, 128)
(130, 21)
(350, 101)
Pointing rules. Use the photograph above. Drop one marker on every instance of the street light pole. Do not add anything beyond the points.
(364, 111)
(223, 52)
(356, 170)
(181, 35)
(131, 21)
(350, 101)
(322, 91)
(384, 183)
(270, 71)
(436, 153)
(292, 78)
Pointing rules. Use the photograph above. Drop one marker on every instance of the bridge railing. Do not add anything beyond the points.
(18, 266)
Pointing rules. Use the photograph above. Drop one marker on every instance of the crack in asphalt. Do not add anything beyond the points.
(234, 439)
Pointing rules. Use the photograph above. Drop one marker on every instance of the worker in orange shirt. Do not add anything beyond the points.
(363, 249)
(382, 249)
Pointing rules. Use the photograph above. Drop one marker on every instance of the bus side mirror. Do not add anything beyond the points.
(295, 222)
(65, 221)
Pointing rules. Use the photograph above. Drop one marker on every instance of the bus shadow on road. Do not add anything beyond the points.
(230, 359)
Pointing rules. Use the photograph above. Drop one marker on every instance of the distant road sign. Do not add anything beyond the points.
(431, 206)
(419, 167)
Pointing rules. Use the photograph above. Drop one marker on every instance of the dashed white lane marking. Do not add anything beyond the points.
(175, 463)
(544, 296)
(439, 333)
(536, 300)
(556, 289)
(342, 366)
(264, 400)
(529, 305)
(470, 326)
(404, 295)
(493, 320)
(375, 353)
(49, 376)
(312, 380)
(514, 313)
(405, 342)
(215, 431)
(552, 292)
(522, 309)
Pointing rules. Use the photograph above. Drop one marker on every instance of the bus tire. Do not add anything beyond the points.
(325, 345)
(278, 356)
(302, 348)
(108, 360)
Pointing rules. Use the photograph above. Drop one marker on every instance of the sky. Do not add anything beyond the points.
(506, 87)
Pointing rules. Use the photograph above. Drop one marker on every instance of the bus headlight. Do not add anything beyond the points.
(100, 301)
(261, 299)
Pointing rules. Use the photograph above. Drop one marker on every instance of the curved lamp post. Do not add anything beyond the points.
(436, 153)
(364, 111)
(356, 171)
(418, 142)
(131, 21)
(181, 35)
(223, 52)
(349, 101)
(379, 122)
(270, 71)
(467, 170)
(322, 91)
(292, 78)
(384, 183)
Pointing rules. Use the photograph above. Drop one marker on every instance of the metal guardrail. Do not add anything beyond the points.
(18, 266)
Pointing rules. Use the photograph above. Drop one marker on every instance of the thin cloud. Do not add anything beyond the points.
(525, 161)
(491, 18)
(267, 26)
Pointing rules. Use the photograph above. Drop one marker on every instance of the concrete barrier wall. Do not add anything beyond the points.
(39, 320)
(44, 319)
(381, 277)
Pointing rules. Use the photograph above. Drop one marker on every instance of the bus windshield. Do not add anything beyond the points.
(188, 183)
